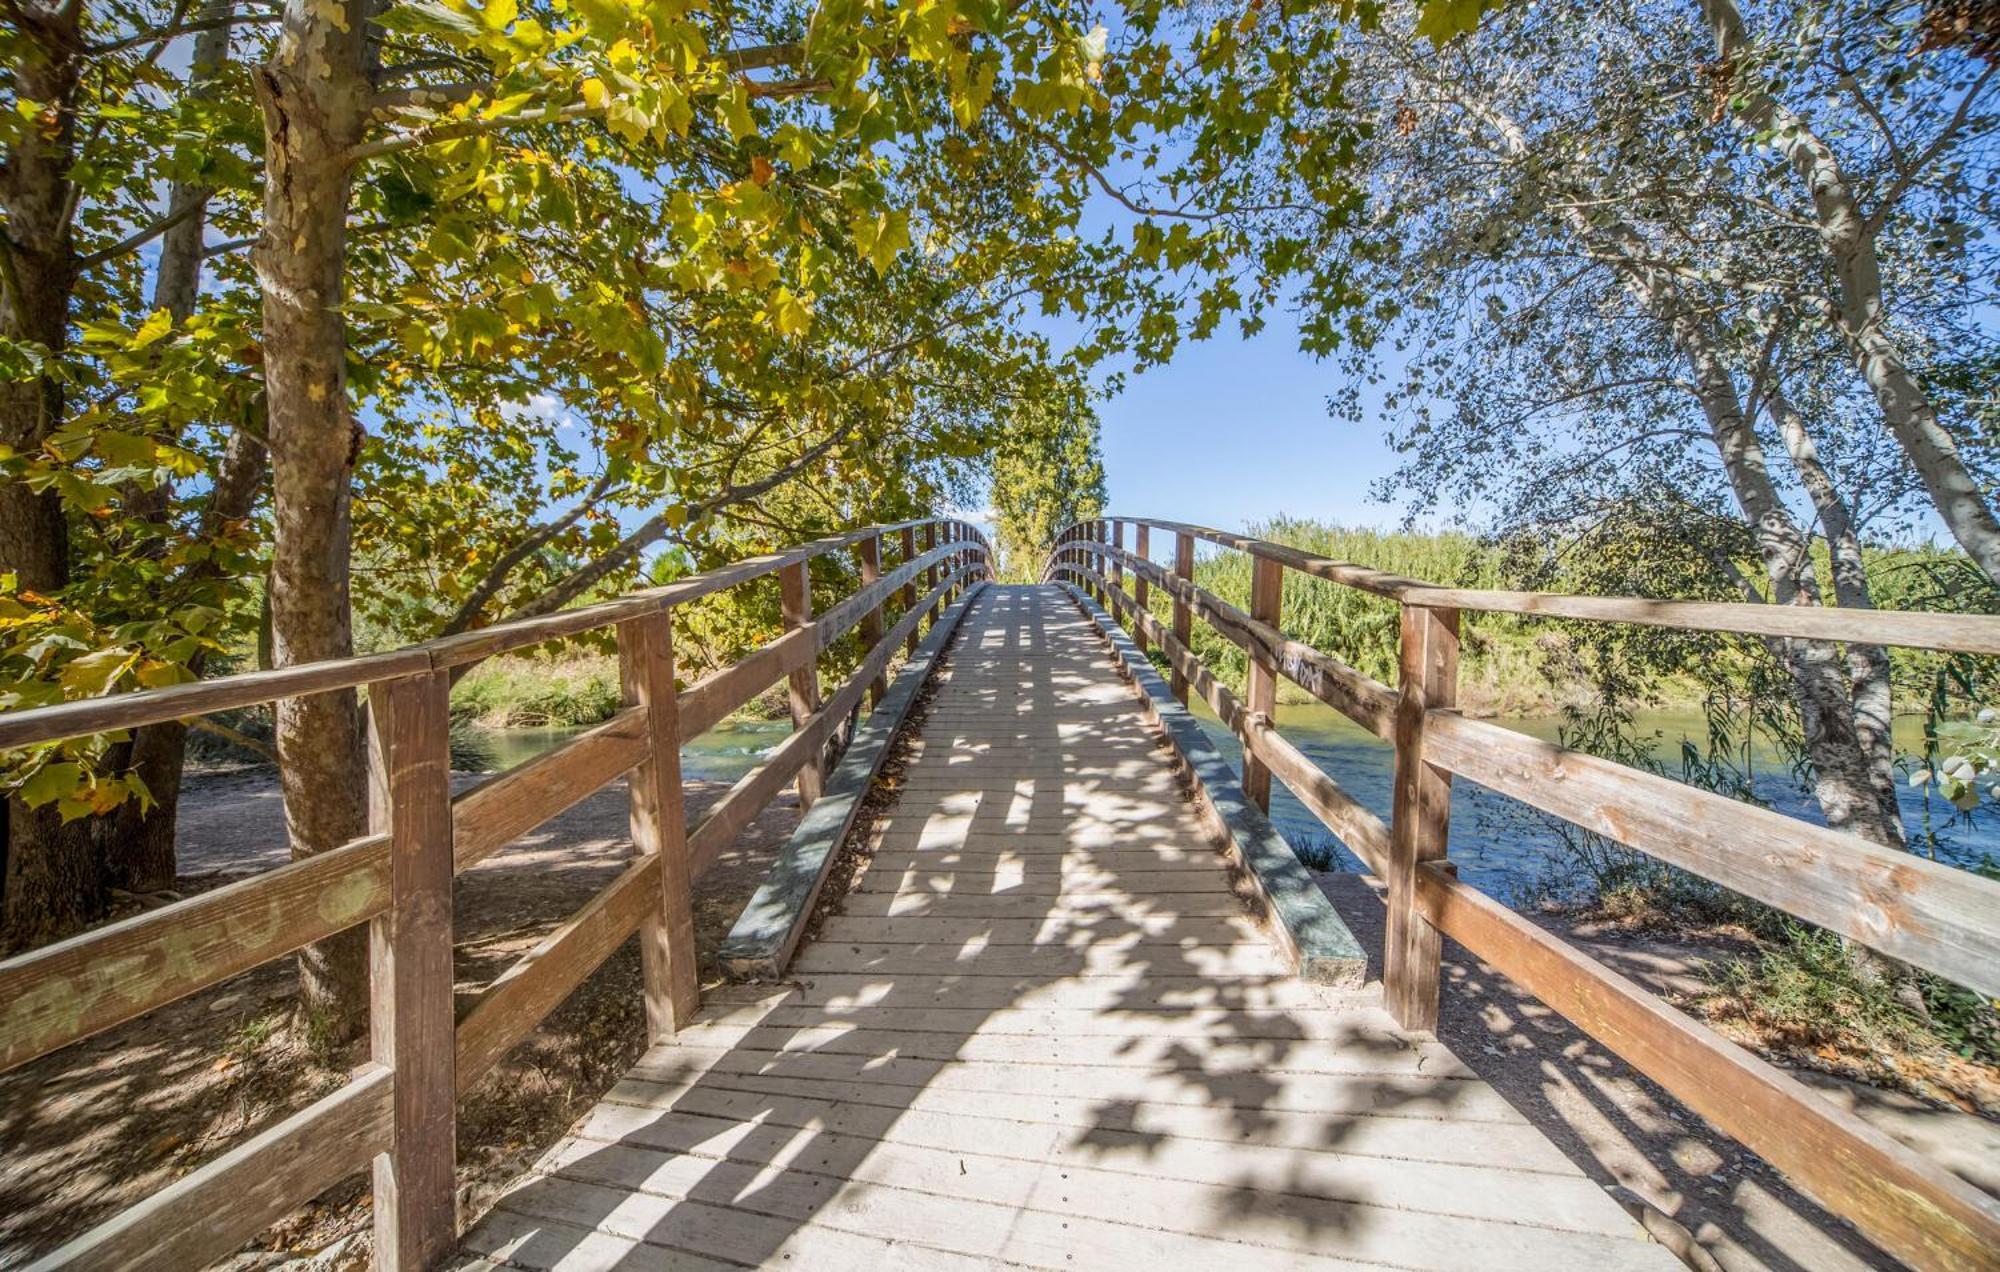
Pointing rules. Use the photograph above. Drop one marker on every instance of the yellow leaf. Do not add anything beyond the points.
(595, 94)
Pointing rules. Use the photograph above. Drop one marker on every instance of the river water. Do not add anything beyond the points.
(1499, 845)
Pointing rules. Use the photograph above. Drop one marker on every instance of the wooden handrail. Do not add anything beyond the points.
(401, 1111)
(1930, 915)
(228, 693)
(1952, 633)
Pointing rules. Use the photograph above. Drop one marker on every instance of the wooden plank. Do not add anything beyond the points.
(1178, 1078)
(994, 1144)
(1141, 584)
(410, 1011)
(1923, 912)
(1183, 616)
(60, 993)
(501, 809)
(705, 703)
(1420, 820)
(1260, 690)
(741, 804)
(1910, 1206)
(909, 543)
(768, 931)
(931, 573)
(1960, 633)
(839, 618)
(509, 1009)
(870, 552)
(795, 599)
(202, 697)
(210, 1212)
(657, 818)
(1311, 933)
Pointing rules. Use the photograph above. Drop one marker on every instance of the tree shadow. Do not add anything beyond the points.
(1043, 1029)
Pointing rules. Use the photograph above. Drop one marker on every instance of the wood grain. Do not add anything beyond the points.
(1260, 690)
(1421, 818)
(508, 1010)
(1912, 1207)
(211, 1211)
(657, 817)
(795, 600)
(1923, 912)
(60, 993)
(410, 1009)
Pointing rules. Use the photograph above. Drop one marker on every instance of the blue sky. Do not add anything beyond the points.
(1234, 431)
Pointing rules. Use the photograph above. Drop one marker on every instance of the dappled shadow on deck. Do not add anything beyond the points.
(1044, 1030)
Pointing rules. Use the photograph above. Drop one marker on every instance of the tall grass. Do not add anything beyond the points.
(1499, 664)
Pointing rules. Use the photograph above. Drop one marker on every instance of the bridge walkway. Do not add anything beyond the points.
(1045, 1030)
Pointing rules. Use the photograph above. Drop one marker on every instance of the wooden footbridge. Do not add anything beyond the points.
(1071, 1003)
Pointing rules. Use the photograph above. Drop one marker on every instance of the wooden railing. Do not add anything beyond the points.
(1926, 914)
(399, 1110)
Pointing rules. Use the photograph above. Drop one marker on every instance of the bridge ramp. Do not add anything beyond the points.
(1046, 1031)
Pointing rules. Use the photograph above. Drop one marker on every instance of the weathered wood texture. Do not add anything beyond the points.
(1921, 911)
(211, 1211)
(1928, 914)
(657, 817)
(1315, 942)
(154, 706)
(1260, 690)
(1102, 1075)
(1911, 1206)
(795, 599)
(768, 931)
(56, 995)
(410, 1010)
(1421, 818)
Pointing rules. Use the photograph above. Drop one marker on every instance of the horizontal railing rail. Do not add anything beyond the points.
(398, 1111)
(1930, 915)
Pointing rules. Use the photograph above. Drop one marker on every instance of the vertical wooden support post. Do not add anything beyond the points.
(1183, 616)
(412, 1029)
(658, 819)
(870, 552)
(1117, 571)
(1421, 822)
(1141, 591)
(795, 598)
(1260, 691)
(931, 572)
(910, 588)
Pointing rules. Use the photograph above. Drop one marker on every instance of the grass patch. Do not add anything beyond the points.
(514, 693)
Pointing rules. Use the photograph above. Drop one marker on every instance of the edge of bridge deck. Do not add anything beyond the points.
(1314, 936)
(772, 925)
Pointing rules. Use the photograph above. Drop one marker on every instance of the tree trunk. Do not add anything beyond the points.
(138, 843)
(1858, 309)
(52, 883)
(314, 92)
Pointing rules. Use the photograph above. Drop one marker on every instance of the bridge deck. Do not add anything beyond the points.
(1045, 1032)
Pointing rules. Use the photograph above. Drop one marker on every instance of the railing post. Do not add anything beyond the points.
(931, 572)
(412, 1029)
(910, 588)
(870, 552)
(795, 598)
(1117, 571)
(1142, 544)
(658, 820)
(1421, 822)
(1260, 690)
(1183, 616)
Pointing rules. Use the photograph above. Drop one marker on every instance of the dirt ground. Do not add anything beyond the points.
(91, 1129)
